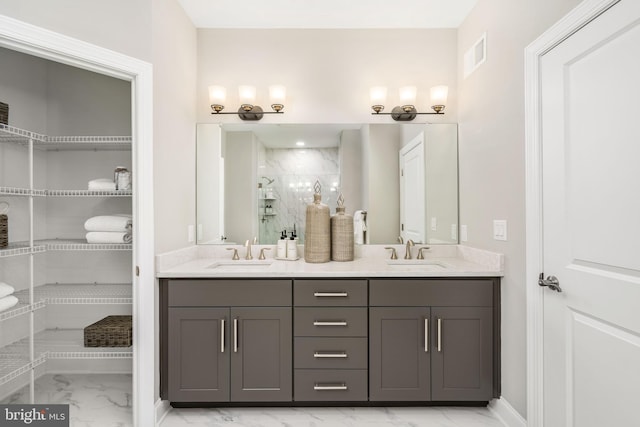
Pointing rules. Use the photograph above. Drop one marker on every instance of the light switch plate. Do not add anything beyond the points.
(434, 224)
(191, 234)
(463, 233)
(500, 229)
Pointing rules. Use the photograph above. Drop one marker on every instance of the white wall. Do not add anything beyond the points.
(85, 103)
(491, 133)
(383, 177)
(120, 25)
(174, 130)
(328, 73)
(351, 170)
(441, 182)
(240, 186)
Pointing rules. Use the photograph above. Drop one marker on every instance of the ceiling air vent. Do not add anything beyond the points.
(475, 56)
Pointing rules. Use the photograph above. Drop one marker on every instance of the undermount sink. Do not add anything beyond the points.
(417, 263)
(240, 265)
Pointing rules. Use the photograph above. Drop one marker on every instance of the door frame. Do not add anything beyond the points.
(568, 25)
(32, 40)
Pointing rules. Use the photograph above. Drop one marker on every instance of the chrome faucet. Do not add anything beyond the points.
(407, 254)
(248, 244)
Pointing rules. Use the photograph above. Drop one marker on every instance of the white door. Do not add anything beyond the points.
(590, 94)
(412, 207)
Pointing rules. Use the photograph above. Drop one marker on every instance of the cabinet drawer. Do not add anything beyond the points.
(229, 292)
(330, 322)
(330, 353)
(330, 385)
(425, 292)
(330, 293)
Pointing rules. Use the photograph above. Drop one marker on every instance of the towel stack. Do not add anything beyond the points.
(7, 300)
(102, 184)
(109, 229)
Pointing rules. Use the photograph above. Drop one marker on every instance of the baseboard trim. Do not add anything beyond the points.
(162, 409)
(503, 410)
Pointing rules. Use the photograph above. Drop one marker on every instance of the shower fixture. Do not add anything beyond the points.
(269, 181)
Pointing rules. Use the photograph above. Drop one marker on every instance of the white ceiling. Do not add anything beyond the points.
(327, 14)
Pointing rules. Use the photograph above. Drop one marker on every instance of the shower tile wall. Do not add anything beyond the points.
(294, 172)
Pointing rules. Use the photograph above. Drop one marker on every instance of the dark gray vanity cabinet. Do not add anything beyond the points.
(364, 341)
(227, 340)
(433, 339)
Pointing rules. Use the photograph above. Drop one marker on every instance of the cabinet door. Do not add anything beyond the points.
(461, 361)
(399, 354)
(261, 361)
(198, 354)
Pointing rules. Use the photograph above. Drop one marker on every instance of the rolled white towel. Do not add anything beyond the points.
(109, 237)
(104, 184)
(7, 302)
(6, 289)
(118, 223)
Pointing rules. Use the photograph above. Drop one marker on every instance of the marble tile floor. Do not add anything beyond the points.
(95, 400)
(104, 400)
(332, 417)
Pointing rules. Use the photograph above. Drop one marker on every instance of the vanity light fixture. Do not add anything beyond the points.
(407, 111)
(247, 97)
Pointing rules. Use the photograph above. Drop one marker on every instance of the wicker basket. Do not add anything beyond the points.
(112, 331)
(317, 235)
(4, 231)
(4, 113)
(341, 236)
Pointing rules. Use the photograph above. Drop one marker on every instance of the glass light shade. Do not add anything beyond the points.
(439, 95)
(378, 95)
(247, 94)
(277, 94)
(408, 95)
(217, 95)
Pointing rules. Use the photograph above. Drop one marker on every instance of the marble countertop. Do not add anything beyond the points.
(370, 261)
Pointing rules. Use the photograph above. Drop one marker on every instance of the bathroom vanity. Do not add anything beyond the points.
(367, 332)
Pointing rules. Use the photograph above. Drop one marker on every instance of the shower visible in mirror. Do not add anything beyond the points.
(256, 179)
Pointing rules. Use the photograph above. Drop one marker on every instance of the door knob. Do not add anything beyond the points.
(551, 282)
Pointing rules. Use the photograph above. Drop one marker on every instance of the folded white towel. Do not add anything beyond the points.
(104, 184)
(7, 302)
(118, 223)
(6, 289)
(108, 237)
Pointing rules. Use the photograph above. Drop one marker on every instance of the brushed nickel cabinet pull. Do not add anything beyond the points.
(426, 335)
(330, 323)
(222, 322)
(322, 387)
(333, 355)
(439, 334)
(235, 335)
(330, 294)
